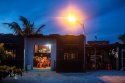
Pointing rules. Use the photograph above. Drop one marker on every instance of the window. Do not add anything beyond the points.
(70, 56)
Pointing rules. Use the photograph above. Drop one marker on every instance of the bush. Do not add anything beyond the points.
(4, 54)
(11, 71)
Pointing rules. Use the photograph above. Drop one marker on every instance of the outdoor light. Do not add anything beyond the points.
(72, 19)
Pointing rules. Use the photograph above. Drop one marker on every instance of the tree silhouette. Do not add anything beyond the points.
(28, 28)
(122, 38)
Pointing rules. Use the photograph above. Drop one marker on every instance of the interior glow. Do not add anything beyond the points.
(49, 46)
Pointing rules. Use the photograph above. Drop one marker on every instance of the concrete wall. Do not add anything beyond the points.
(29, 50)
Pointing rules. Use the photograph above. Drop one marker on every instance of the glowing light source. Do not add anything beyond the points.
(69, 17)
(72, 18)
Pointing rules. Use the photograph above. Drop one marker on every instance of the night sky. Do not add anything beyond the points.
(102, 18)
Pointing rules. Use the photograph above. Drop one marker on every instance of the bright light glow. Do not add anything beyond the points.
(48, 45)
(72, 19)
(68, 18)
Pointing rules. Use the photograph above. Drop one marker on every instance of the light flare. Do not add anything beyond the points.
(68, 19)
(72, 19)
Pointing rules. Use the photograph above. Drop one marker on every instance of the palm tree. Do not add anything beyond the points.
(122, 38)
(28, 28)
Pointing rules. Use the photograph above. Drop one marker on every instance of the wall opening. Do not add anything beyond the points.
(42, 57)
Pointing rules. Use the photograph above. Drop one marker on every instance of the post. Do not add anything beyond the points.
(24, 60)
(84, 65)
(24, 53)
(117, 58)
(84, 46)
(84, 53)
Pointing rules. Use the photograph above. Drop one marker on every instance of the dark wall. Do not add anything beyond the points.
(70, 53)
(102, 55)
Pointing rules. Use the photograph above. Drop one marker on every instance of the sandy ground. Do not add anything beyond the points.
(53, 77)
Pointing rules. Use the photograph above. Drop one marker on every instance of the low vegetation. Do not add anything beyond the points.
(9, 71)
(4, 69)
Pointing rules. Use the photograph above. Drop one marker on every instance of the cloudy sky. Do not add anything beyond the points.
(102, 18)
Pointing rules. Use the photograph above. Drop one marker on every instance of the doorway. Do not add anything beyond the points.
(42, 57)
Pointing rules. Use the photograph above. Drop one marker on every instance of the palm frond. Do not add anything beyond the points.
(39, 29)
(15, 27)
(32, 28)
(24, 20)
(28, 27)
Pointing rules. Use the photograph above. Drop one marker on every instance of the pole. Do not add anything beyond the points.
(84, 65)
(84, 53)
(25, 43)
(117, 58)
(84, 46)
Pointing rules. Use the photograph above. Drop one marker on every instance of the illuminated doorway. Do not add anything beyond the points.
(42, 57)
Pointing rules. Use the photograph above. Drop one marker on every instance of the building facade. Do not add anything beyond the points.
(102, 55)
(63, 53)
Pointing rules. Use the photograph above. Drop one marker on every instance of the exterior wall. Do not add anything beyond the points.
(99, 56)
(67, 44)
(70, 53)
(29, 50)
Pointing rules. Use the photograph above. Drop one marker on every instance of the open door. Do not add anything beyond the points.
(42, 57)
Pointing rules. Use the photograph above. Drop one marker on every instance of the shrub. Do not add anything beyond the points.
(11, 71)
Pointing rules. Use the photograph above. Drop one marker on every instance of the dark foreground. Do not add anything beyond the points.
(53, 77)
